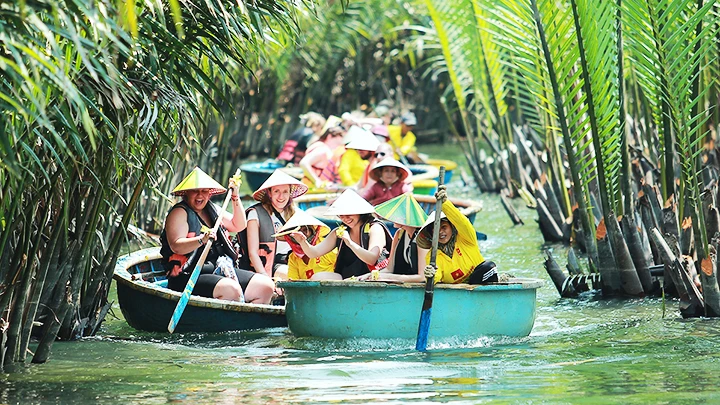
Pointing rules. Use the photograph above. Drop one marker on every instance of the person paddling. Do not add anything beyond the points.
(458, 258)
(183, 239)
(362, 240)
(407, 259)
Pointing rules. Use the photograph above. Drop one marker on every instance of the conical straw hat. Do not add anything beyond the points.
(198, 179)
(279, 178)
(403, 171)
(361, 139)
(403, 209)
(300, 218)
(332, 121)
(349, 203)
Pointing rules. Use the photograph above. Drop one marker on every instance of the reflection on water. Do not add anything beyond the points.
(580, 351)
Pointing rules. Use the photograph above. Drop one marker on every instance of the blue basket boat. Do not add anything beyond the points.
(379, 310)
(147, 304)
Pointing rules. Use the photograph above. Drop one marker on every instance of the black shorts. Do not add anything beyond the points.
(485, 272)
(207, 281)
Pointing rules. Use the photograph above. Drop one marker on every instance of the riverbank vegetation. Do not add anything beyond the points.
(101, 114)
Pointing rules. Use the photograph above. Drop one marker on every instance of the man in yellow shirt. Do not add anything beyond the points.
(402, 138)
(360, 148)
(458, 258)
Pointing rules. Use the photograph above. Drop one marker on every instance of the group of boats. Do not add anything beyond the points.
(333, 309)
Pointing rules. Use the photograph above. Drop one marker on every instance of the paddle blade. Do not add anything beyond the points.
(184, 298)
(423, 329)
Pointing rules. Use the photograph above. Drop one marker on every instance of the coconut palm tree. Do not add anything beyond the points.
(93, 104)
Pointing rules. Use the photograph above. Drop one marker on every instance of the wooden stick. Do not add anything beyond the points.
(424, 326)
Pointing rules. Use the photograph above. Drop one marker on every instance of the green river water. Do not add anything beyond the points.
(582, 351)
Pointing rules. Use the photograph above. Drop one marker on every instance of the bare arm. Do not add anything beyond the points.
(176, 230)
(318, 250)
(236, 221)
(309, 160)
(372, 253)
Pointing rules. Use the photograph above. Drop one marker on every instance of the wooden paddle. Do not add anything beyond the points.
(424, 326)
(185, 297)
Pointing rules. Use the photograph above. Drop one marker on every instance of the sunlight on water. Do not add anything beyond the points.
(586, 350)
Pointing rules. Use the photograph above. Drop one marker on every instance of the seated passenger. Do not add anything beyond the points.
(384, 150)
(262, 252)
(183, 242)
(390, 178)
(322, 158)
(458, 257)
(407, 260)
(362, 240)
(402, 137)
(300, 266)
(360, 148)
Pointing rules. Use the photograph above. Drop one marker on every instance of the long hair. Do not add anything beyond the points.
(286, 213)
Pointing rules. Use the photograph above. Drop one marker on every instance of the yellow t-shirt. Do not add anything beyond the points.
(298, 270)
(352, 167)
(457, 269)
(405, 143)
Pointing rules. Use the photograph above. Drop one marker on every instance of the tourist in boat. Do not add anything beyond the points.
(360, 148)
(321, 160)
(384, 150)
(362, 241)
(385, 111)
(296, 145)
(381, 133)
(300, 266)
(261, 251)
(182, 242)
(407, 259)
(391, 180)
(458, 257)
(402, 138)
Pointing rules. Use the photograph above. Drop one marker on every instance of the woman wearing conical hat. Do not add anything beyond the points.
(265, 254)
(362, 240)
(300, 266)
(407, 259)
(183, 240)
(390, 181)
(458, 257)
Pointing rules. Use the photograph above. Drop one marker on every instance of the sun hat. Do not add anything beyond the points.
(424, 238)
(331, 122)
(279, 178)
(409, 119)
(403, 171)
(349, 203)
(198, 179)
(300, 218)
(361, 139)
(380, 130)
(403, 209)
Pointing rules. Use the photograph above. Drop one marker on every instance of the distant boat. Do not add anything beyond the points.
(379, 310)
(316, 204)
(450, 166)
(147, 303)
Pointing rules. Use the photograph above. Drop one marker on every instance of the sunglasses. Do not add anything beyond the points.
(379, 154)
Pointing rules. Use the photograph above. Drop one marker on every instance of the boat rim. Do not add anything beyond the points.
(519, 283)
(122, 275)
